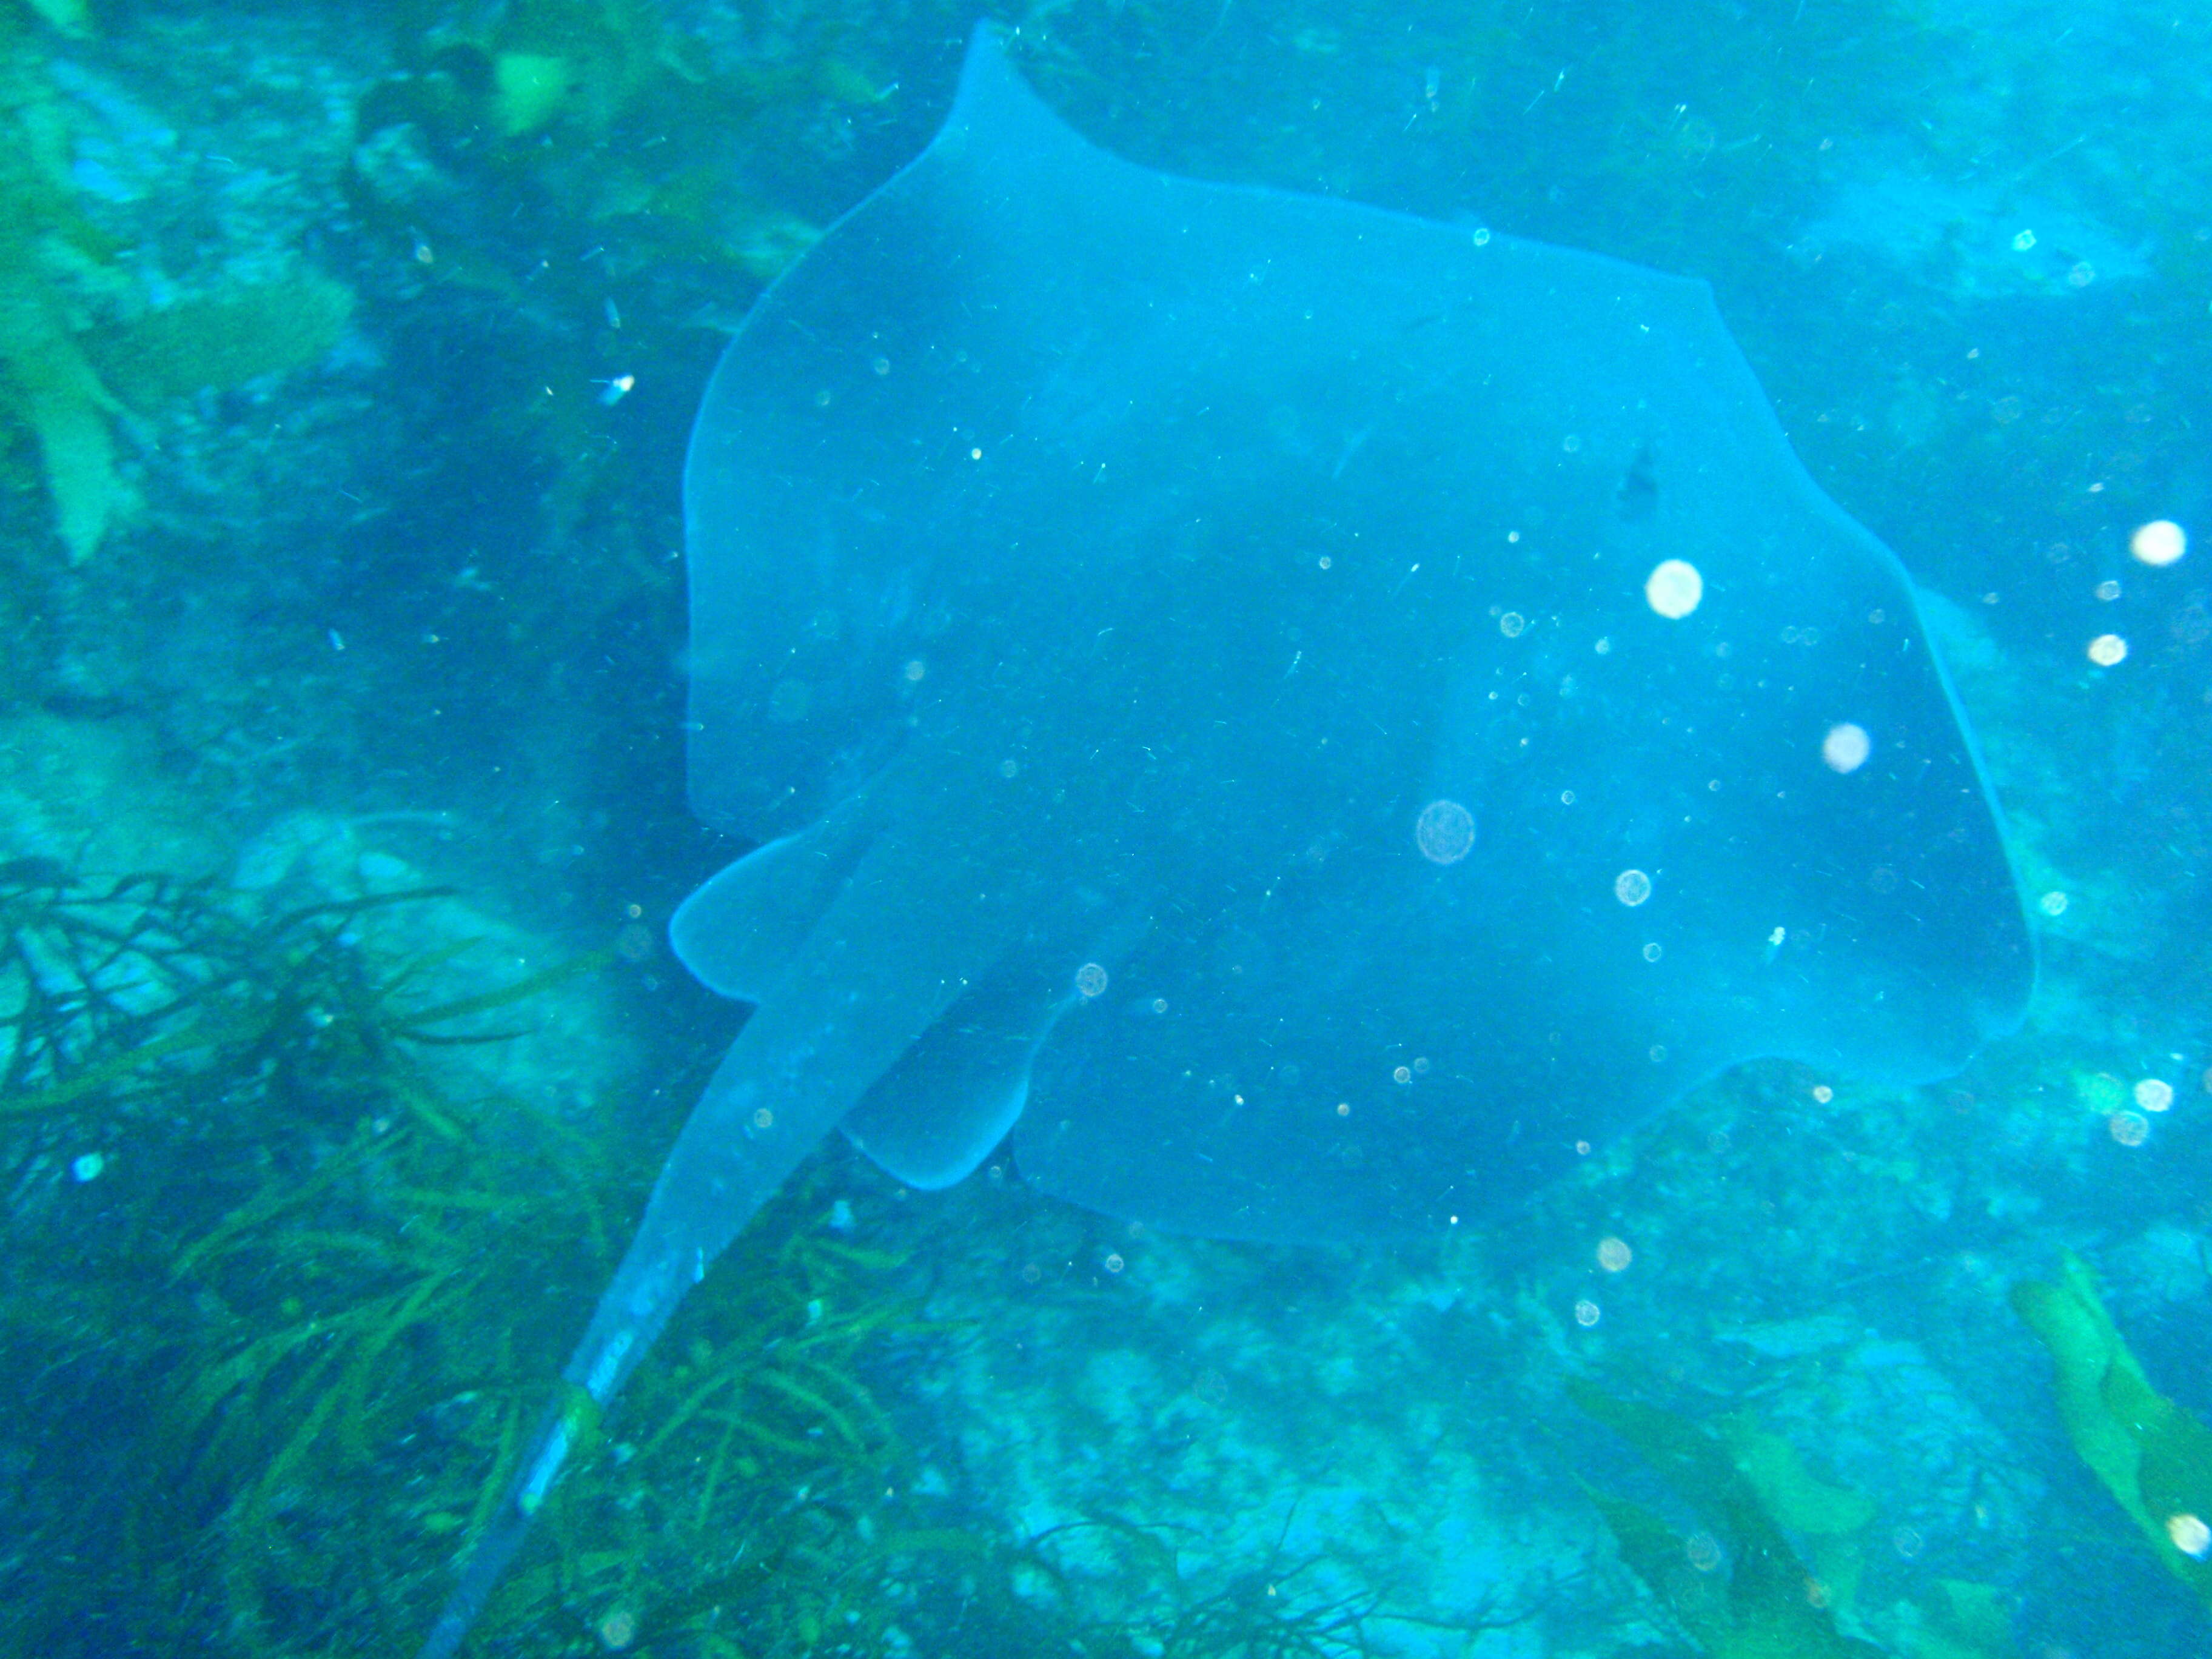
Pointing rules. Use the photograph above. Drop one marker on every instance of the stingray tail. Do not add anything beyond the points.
(636, 1308)
(716, 1180)
(571, 1420)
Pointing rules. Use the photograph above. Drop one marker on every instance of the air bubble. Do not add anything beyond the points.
(1444, 832)
(1673, 588)
(2160, 542)
(1846, 747)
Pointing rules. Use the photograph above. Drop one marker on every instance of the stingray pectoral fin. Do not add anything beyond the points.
(952, 1097)
(749, 921)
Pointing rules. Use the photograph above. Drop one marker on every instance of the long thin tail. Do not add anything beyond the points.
(568, 1422)
(870, 978)
(722, 1170)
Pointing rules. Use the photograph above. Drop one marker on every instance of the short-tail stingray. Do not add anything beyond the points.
(1308, 717)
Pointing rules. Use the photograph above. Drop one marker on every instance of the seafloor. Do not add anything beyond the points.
(347, 354)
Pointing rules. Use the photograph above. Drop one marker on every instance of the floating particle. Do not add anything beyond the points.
(1512, 624)
(2129, 1128)
(764, 1118)
(914, 670)
(2191, 1535)
(2108, 590)
(618, 1629)
(2052, 904)
(1444, 832)
(1703, 1551)
(1586, 1313)
(1613, 1254)
(1091, 980)
(1114, 1263)
(2160, 542)
(1344, 1109)
(2025, 240)
(1823, 1093)
(1401, 1074)
(1673, 588)
(1632, 887)
(2153, 1094)
(1652, 952)
(2108, 650)
(87, 1166)
(1846, 747)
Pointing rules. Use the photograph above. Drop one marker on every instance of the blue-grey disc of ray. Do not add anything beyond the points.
(1311, 719)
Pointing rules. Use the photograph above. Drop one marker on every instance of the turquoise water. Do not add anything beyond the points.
(350, 357)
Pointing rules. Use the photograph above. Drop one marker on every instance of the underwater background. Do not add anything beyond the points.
(348, 354)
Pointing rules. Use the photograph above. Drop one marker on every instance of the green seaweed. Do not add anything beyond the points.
(2155, 1458)
(222, 338)
(1739, 1591)
(277, 1348)
(70, 363)
(46, 385)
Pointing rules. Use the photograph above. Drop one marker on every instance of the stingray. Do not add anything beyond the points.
(1309, 719)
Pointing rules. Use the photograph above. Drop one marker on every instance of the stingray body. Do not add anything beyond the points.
(1305, 716)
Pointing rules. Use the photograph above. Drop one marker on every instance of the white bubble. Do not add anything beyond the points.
(1846, 747)
(2160, 542)
(1673, 588)
(2191, 1535)
(1444, 832)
